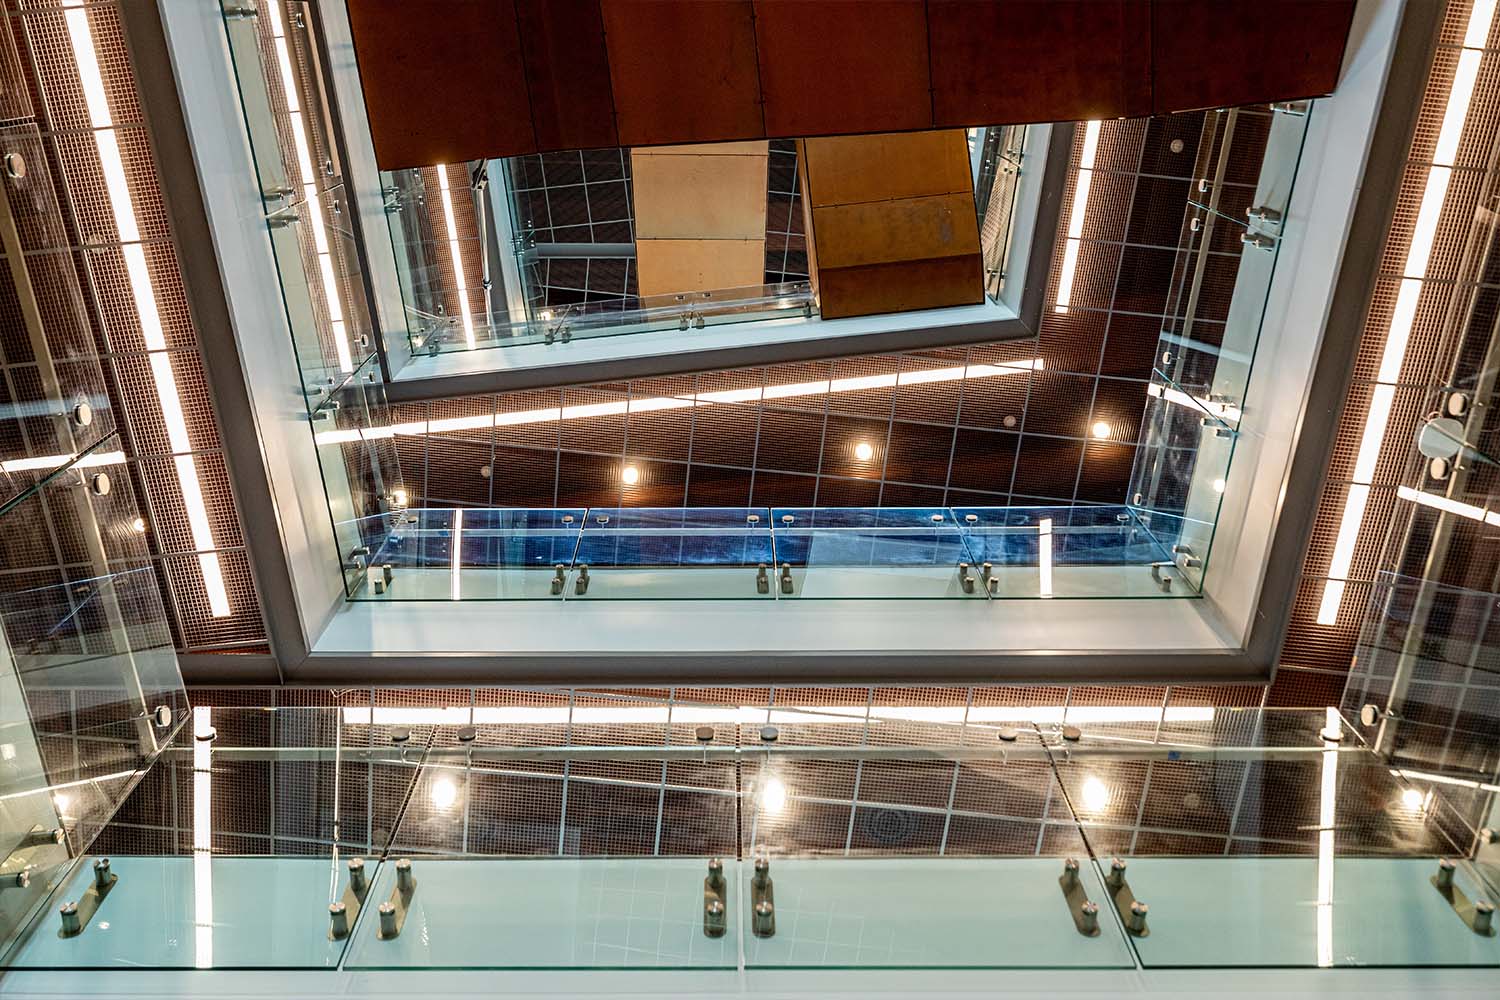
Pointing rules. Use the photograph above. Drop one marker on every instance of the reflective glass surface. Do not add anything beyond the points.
(759, 553)
(563, 830)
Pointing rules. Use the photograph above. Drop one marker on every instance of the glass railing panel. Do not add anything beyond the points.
(306, 205)
(995, 189)
(1181, 473)
(1233, 223)
(905, 859)
(599, 857)
(1062, 552)
(869, 552)
(502, 554)
(360, 469)
(89, 686)
(231, 851)
(1305, 853)
(694, 553)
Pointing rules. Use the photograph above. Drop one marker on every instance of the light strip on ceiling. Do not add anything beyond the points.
(1398, 334)
(45, 462)
(144, 296)
(456, 541)
(459, 281)
(310, 195)
(683, 714)
(203, 839)
(1044, 554)
(1444, 779)
(515, 418)
(1327, 814)
(1075, 216)
(1448, 505)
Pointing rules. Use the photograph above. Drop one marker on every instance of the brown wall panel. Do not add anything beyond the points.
(442, 89)
(683, 71)
(882, 232)
(567, 73)
(876, 167)
(1016, 61)
(1200, 60)
(901, 286)
(865, 61)
(463, 79)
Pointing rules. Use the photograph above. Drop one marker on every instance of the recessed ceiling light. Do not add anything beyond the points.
(1218, 486)
(1101, 429)
(630, 475)
(138, 525)
(863, 451)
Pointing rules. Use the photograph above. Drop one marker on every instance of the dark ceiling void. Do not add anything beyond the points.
(478, 79)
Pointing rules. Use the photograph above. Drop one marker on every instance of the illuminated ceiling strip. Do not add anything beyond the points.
(1443, 779)
(309, 175)
(1075, 216)
(45, 462)
(1044, 554)
(515, 418)
(1327, 814)
(455, 586)
(458, 262)
(144, 296)
(1398, 335)
(203, 839)
(680, 714)
(1447, 505)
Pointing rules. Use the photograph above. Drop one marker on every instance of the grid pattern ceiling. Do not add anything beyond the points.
(77, 265)
(1019, 438)
(1317, 658)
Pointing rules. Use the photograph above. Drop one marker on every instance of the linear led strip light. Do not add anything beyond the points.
(1075, 216)
(203, 843)
(516, 418)
(459, 280)
(1405, 312)
(685, 714)
(310, 188)
(144, 296)
(1328, 794)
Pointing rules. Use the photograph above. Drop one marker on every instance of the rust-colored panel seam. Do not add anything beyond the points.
(515, 15)
(931, 91)
(760, 90)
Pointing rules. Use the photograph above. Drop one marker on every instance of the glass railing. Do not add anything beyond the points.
(565, 831)
(89, 686)
(308, 214)
(1232, 225)
(761, 553)
(686, 312)
(487, 259)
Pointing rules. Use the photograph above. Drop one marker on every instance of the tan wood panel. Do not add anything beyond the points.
(711, 195)
(669, 266)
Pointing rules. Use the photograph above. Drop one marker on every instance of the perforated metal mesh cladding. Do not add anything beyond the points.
(1020, 438)
(74, 258)
(1316, 658)
(835, 805)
